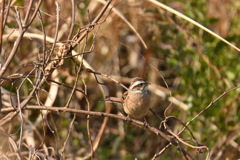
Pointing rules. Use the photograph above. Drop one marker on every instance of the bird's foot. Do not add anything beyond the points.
(128, 119)
(145, 124)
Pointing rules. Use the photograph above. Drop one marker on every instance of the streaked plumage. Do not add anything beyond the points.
(136, 101)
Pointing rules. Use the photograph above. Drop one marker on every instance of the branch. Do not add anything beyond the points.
(92, 113)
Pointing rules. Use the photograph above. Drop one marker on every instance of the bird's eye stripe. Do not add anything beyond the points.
(136, 84)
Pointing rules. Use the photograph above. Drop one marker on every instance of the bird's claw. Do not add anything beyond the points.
(128, 119)
(145, 124)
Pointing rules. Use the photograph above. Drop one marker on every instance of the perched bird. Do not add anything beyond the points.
(136, 100)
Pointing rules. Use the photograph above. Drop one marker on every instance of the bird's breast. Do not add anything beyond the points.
(137, 105)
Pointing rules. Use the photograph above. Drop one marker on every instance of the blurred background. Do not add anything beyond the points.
(196, 66)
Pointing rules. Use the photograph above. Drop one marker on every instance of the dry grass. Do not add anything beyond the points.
(59, 62)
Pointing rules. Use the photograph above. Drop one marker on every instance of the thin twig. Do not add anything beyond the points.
(1, 23)
(20, 109)
(68, 135)
(72, 20)
(105, 75)
(28, 13)
(6, 14)
(21, 118)
(56, 33)
(44, 36)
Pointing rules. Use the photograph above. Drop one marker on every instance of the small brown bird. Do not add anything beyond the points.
(136, 101)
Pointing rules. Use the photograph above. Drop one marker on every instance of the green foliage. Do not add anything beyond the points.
(197, 67)
(207, 67)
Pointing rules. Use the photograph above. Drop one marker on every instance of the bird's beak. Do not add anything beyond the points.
(147, 83)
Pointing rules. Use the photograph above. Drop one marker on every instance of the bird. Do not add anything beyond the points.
(136, 100)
